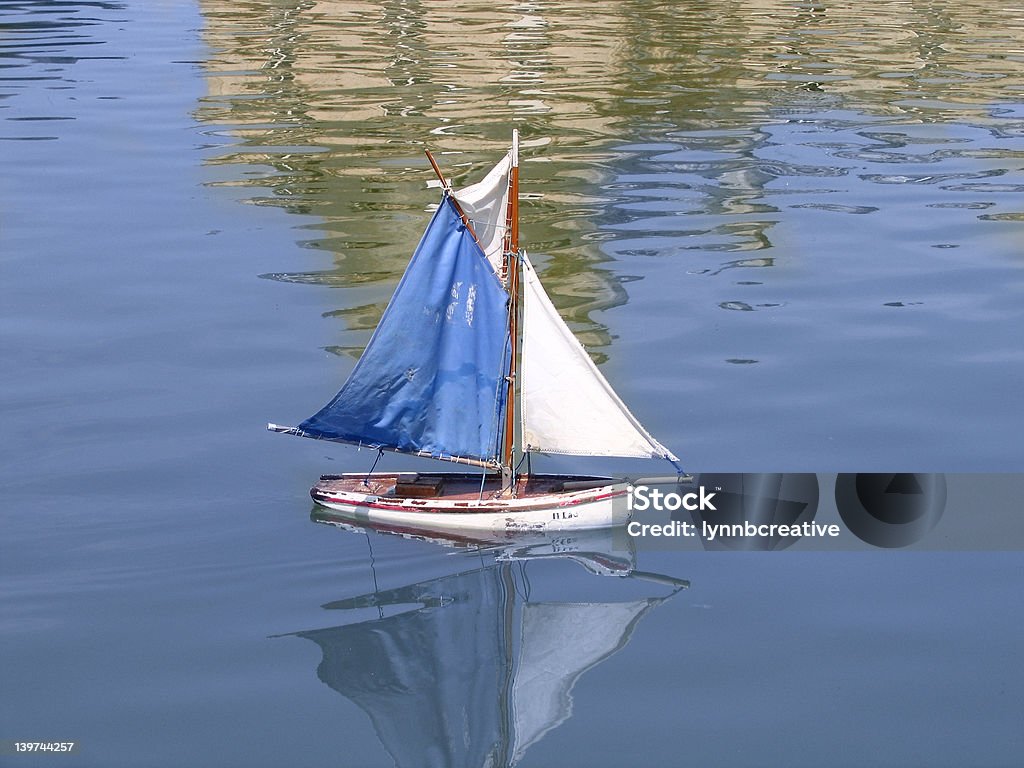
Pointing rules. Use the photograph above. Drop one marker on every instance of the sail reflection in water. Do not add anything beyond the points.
(465, 669)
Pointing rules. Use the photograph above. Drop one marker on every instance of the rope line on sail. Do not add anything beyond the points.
(488, 225)
(483, 480)
(366, 480)
(679, 468)
(514, 475)
(498, 421)
(479, 226)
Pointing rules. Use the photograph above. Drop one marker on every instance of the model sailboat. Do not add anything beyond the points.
(458, 360)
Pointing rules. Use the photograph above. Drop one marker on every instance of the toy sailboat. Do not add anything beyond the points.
(469, 348)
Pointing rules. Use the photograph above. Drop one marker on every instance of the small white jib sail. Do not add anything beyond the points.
(443, 375)
(486, 206)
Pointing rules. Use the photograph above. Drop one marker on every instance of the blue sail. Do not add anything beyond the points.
(431, 379)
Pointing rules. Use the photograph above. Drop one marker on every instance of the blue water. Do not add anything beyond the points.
(791, 241)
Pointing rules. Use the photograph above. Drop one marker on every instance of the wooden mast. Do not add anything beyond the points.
(511, 259)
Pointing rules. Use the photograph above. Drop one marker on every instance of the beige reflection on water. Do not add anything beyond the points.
(332, 104)
(336, 101)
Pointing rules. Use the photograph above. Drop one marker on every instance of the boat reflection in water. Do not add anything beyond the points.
(467, 668)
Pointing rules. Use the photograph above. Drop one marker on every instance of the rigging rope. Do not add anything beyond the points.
(366, 480)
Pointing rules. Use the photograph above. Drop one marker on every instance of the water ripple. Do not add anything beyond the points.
(677, 147)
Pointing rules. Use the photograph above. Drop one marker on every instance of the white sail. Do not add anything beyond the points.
(567, 405)
(559, 642)
(486, 205)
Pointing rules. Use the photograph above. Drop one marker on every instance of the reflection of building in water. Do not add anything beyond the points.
(372, 83)
(462, 64)
(585, 71)
(332, 102)
(466, 669)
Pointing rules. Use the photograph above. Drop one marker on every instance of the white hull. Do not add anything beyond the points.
(372, 500)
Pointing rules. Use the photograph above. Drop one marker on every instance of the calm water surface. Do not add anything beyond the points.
(790, 234)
